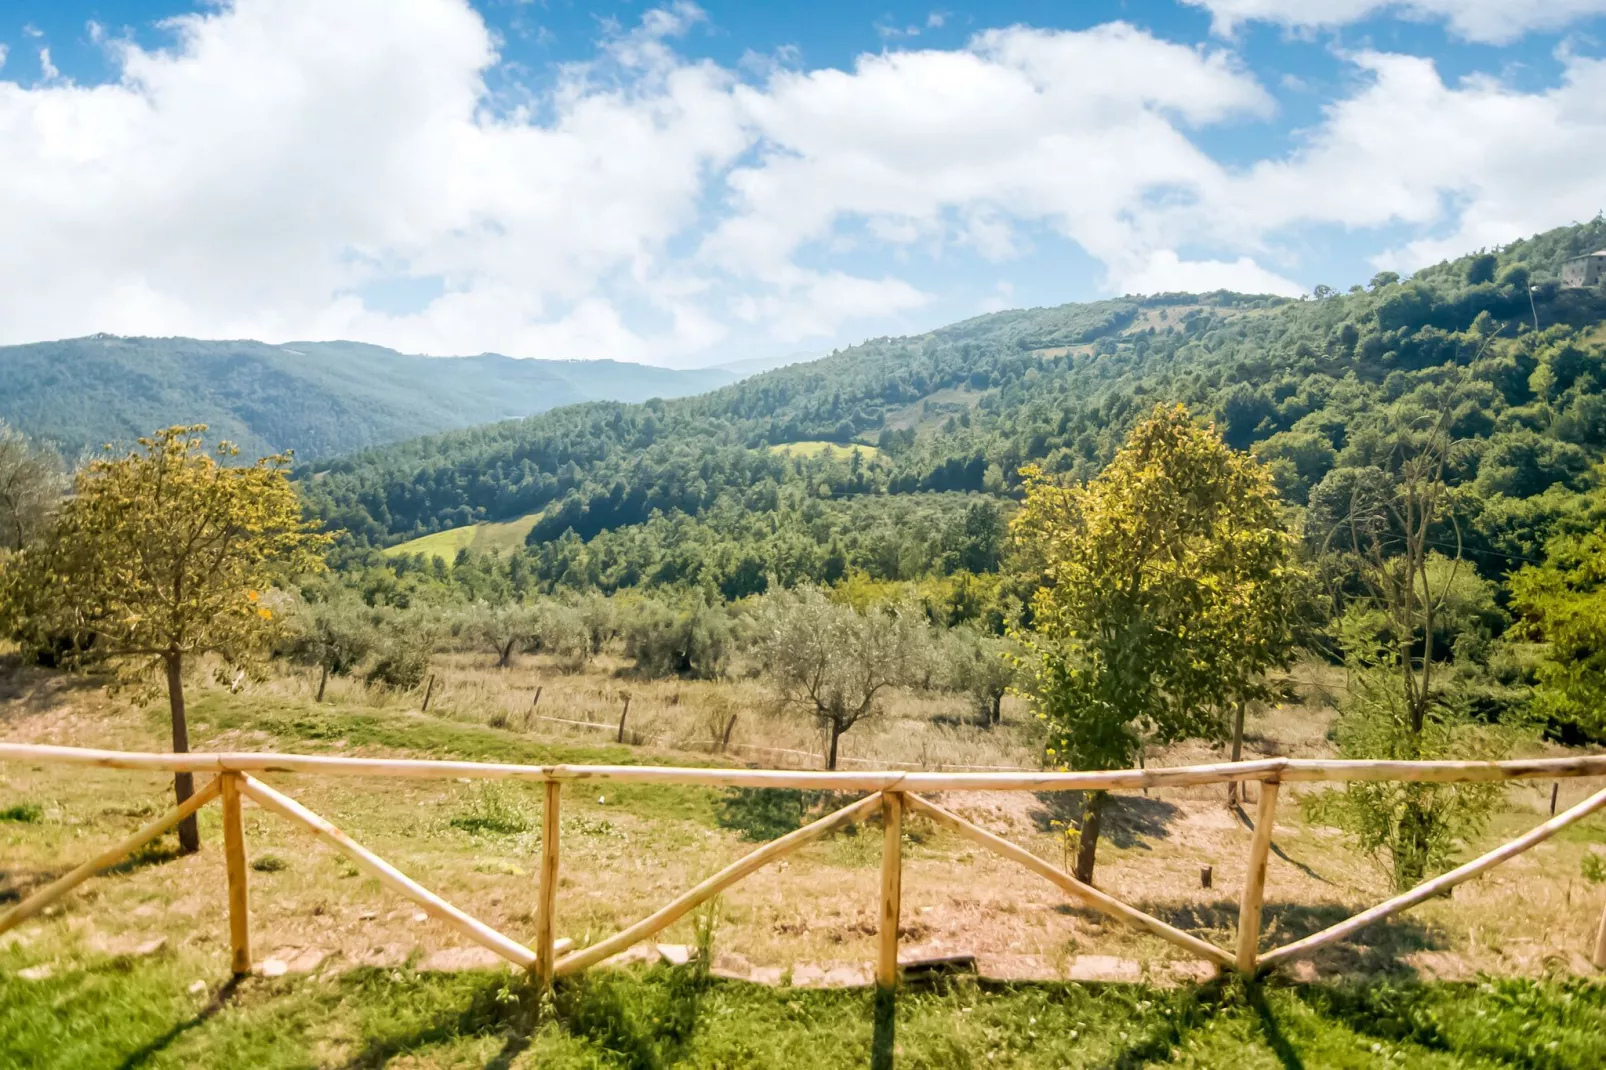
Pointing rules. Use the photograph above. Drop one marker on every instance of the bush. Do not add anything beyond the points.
(26, 813)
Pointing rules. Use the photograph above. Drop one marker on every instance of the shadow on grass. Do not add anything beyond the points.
(1247, 823)
(492, 1009)
(1127, 820)
(645, 1026)
(152, 854)
(1376, 949)
(218, 1001)
(26, 690)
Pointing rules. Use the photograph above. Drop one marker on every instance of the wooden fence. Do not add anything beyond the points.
(890, 794)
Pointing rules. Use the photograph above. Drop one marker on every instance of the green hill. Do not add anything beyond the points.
(319, 398)
(694, 490)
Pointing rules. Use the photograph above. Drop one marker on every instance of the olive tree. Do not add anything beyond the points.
(332, 636)
(31, 487)
(832, 661)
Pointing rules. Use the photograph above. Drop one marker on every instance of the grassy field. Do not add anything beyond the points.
(372, 983)
(835, 450)
(147, 1013)
(481, 538)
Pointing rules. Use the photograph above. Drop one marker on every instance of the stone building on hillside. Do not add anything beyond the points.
(1586, 270)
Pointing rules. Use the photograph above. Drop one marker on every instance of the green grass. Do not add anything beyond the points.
(504, 535)
(835, 450)
(24, 813)
(121, 1013)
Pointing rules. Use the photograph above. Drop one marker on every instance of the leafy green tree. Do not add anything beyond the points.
(833, 662)
(981, 667)
(1563, 601)
(508, 629)
(31, 486)
(1398, 706)
(1161, 602)
(162, 556)
(687, 638)
(332, 636)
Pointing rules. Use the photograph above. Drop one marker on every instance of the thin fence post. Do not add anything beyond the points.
(1600, 943)
(428, 693)
(234, 860)
(622, 717)
(886, 974)
(1254, 892)
(545, 919)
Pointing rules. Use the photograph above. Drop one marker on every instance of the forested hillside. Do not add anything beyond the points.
(693, 491)
(317, 398)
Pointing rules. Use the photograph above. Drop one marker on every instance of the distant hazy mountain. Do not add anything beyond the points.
(318, 398)
(757, 365)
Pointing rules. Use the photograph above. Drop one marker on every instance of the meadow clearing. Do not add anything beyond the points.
(132, 969)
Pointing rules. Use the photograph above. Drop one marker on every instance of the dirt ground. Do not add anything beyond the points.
(808, 920)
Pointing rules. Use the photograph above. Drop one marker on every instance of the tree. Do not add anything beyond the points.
(31, 486)
(1398, 707)
(332, 636)
(1563, 601)
(979, 665)
(508, 629)
(162, 556)
(690, 638)
(832, 661)
(1159, 601)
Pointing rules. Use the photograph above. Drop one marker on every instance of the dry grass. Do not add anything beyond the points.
(627, 852)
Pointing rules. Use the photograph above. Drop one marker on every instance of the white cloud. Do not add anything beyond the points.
(1479, 161)
(283, 157)
(283, 152)
(1078, 130)
(1166, 272)
(47, 69)
(1490, 21)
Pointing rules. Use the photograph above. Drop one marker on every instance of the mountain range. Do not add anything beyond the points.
(320, 399)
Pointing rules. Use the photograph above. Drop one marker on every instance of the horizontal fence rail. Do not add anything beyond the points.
(1286, 770)
(890, 794)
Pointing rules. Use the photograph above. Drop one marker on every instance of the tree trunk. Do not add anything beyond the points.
(998, 708)
(189, 833)
(1237, 752)
(323, 682)
(1088, 845)
(504, 654)
(830, 758)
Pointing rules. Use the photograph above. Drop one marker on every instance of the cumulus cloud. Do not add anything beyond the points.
(249, 180)
(1489, 21)
(1479, 162)
(1165, 272)
(281, 161)
(1078, 130)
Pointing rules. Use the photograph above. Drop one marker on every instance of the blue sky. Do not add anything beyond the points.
(683, 184)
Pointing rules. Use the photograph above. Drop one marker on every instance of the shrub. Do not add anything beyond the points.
(26, 813)
(496, 810)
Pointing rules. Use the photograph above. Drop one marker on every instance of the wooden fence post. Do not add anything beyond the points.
(545, 920)
(622, 717)
(886, 974)
(1600, 943)
(1254, 892)
(428, 692)
(234, 861)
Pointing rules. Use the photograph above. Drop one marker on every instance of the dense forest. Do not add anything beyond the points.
(706, 491)
(320, 399)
